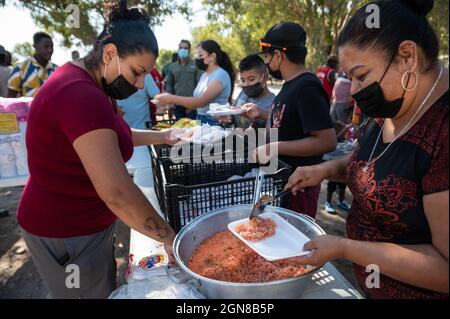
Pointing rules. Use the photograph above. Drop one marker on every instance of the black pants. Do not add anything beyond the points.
(332, 186)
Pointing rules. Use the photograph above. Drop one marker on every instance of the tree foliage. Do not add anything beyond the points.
(229, 41)
(55, 16)
(165, 56)
(244, 22)
(22, 51)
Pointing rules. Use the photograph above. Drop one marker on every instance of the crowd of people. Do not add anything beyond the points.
(89, 113)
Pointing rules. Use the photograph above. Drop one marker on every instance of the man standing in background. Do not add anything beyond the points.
(27, 77)
(8, 61)
(182, 79)
(4, 73)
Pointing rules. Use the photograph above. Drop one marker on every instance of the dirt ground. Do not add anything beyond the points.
(19, 278)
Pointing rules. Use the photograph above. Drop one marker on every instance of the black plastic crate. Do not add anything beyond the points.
(161, 161)
(186, 191)
(163, 151)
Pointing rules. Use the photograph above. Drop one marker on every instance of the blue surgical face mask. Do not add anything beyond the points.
(183, 53)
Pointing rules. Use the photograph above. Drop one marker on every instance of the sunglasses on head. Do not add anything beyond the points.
(266, 45)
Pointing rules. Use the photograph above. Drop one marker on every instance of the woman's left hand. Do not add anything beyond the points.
(323, 249)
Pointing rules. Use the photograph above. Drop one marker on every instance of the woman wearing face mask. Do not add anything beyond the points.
(215, 85)
(399, 173)
(77, 145)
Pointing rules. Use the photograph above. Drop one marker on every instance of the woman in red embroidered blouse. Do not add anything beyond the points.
(398, 174)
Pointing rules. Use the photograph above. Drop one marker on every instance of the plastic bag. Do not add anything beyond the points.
(13, 153)
(158, 285)
(7, 157)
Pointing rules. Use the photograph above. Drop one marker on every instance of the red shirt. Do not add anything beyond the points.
(158, 78)
(159, 83)
(59, 199)
(323, 73)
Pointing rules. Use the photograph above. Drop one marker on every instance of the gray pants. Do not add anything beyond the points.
(76, 267)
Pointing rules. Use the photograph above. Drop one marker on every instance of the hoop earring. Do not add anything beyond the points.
(416, 75)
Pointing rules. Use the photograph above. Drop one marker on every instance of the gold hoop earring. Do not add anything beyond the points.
(416, 75)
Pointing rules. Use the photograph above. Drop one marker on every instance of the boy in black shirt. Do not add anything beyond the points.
(300, 112)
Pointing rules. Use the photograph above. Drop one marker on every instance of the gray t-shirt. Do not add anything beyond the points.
(264, 103)
(218, 74)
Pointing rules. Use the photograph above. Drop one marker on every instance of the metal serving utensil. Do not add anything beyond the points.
(265, 200)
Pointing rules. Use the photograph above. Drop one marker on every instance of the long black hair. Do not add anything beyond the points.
(223, 60)
(400, 20)
(128, 30)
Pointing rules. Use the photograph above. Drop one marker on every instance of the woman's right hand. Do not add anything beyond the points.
(306, 176)
(168, 247)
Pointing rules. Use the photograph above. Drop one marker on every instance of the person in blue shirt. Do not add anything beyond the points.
(136, 108)
(215, 85)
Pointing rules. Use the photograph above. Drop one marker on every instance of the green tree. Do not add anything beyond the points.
(165, 56)
(22, 51)
(227, 38)
(322, 20)
(248, 20)
(439, 20)
(56, 16)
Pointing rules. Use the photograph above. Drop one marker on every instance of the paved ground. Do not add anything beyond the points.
(19, 278)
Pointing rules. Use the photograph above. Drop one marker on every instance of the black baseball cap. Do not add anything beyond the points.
(2, 50)
(283, 36)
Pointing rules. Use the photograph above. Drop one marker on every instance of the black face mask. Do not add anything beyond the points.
(201, 64)
(120, 88)
(275, 74)
(372, 102)
(253, 91)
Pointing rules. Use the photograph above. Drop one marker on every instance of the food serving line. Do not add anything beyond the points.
(324, 283)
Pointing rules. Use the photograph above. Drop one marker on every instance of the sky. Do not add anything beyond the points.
(168, 34)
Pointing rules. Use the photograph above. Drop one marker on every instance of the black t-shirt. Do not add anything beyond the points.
(301, 107)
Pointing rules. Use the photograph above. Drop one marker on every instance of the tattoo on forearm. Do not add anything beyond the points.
(151, 226)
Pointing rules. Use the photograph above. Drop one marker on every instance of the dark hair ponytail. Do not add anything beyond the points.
(127, 29)
(223, 60)
(400, 20)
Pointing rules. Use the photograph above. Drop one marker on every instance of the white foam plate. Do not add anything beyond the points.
(227, 112)
(287, 241)
(154, 101)
(190, 140)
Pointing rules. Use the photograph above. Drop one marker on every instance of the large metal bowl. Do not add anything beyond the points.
(216, 221)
